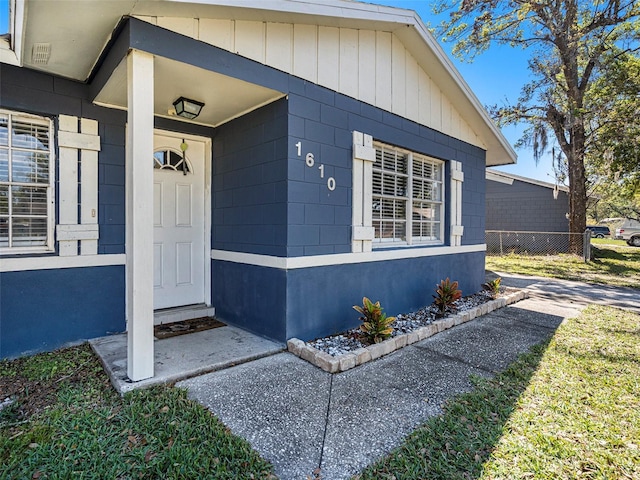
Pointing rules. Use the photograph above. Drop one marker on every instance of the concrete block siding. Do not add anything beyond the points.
(316, 301)
(45, 309)
(41, 94)
(250, 182)
(526, 207)
(331, 144)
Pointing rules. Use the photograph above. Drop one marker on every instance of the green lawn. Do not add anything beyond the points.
(618, 266)
(608, 241)
(568, 409)
(69, 423)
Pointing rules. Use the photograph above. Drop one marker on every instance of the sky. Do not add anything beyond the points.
(4, 16)
(496, 77)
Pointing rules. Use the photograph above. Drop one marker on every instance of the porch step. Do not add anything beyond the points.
(179, 314)
(184, 356)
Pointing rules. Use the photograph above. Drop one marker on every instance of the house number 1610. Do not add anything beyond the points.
(310, 160)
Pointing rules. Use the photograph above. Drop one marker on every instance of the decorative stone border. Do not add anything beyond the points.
(341, 363)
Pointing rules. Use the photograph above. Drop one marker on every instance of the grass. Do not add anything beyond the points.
(608, 241)
(610, 266)
(568, 409)
(68, 422)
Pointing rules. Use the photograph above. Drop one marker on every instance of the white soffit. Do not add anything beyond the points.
(224, 97)
(78, 30)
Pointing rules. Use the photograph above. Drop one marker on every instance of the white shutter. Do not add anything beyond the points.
(364, 155)
(457, 177)
(83, 145)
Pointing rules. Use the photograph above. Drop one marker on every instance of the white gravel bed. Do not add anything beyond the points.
(349, 341)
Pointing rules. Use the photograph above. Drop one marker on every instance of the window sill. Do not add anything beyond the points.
(391, 246)
(21, 252)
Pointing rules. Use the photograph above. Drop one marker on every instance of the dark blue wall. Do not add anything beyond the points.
(29, 91)
(320, 299)
(313, 302)
(45, 309)
(250, 182)
(323, 121)
(250, 297)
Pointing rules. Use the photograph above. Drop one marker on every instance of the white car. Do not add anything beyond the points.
(630, 234)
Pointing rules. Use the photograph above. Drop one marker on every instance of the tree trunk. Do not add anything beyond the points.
(577, 188)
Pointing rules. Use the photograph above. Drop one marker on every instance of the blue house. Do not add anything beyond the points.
(271, 162)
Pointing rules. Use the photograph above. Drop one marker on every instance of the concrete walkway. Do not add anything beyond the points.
(302, 419)
(574, 293)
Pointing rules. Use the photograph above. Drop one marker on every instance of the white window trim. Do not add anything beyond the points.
(49, 247)
(409, 242)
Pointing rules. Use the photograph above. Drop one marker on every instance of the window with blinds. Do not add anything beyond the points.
(26, 183)
(407, 197)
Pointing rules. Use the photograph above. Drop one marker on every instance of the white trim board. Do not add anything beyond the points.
(55, 262)
(293, 263)
(508, 178)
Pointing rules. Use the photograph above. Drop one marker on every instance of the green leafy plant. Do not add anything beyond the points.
(493, 287)
(446, 294)
(376, 326)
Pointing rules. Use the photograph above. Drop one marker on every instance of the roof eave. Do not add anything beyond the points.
(405, 24)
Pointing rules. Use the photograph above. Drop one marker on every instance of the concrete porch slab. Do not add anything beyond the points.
(184, 356)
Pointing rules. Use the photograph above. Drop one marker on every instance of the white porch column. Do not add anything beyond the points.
(139, 186)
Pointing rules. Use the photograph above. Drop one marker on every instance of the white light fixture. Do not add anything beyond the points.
(187, 108)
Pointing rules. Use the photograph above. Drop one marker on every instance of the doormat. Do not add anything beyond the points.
(174, 329)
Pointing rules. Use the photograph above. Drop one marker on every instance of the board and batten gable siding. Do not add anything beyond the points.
(525, 207)
(371, 66)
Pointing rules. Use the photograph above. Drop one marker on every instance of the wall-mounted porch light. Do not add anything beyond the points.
(187, 108)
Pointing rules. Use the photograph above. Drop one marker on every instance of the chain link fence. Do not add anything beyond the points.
(500, 242)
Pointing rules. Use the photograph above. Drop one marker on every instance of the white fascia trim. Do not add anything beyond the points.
(504, 177)
(496, 177)
(17, 30)
(55, 262)
(339, 9)
(311, 261)
(11, 51)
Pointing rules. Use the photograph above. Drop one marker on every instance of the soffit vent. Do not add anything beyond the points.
(40, 53)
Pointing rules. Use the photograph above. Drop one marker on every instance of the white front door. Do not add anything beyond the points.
(179, 222)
